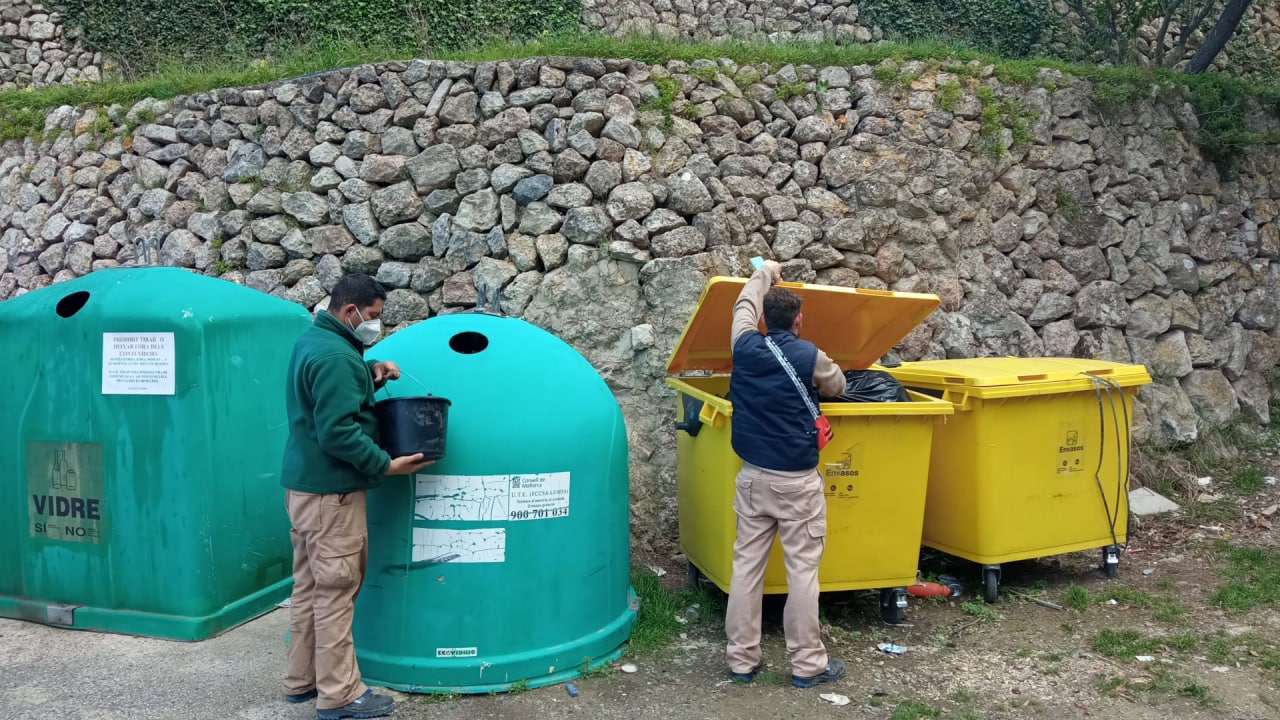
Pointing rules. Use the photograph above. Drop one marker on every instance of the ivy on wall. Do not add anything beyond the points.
(1011, 27)
(453, 24)
(143, 33)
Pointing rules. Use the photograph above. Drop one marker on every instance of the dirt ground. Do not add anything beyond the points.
(965, 659)
(1012, 659)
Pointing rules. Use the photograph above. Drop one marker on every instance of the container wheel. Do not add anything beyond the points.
(693, 576)
(1111, 561)
(990, 585)
(891, 605)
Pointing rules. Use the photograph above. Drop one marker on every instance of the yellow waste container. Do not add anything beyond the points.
(1035, 461)
(876, 466)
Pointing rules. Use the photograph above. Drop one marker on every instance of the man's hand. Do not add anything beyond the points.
(775, 269)
(384, 371)
(407, 464)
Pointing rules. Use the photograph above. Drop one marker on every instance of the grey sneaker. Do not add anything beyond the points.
(367, 705)
(835, 671)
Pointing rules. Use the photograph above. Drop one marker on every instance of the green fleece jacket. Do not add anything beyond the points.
(332, 444)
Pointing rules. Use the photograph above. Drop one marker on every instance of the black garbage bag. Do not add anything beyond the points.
(871, 386)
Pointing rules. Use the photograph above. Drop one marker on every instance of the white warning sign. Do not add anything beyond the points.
(137, 364)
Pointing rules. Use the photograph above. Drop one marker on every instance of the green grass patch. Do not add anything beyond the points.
(1196, 691)
(668, 89)
(979, 610)
(1163, 609)
(1053, 663)
(657, 625)
(1253, 578)
(787, 90)
(1248, 480)
(773, 677)
(914, 710)
(1000, 113)
(706, 72)
(948, 95)
(1208, 513)
(1125, 643)
(586, 670)
(1160, 683)
(885, 74)
(20, 121)
(1077, 598)
(1244, 650)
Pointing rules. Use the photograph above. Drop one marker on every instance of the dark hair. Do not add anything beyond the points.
(356, 288)
(781, 306)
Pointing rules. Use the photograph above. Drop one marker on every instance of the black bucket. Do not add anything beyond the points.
(412, 425)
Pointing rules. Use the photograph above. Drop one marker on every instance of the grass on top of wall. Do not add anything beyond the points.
(1222, 102)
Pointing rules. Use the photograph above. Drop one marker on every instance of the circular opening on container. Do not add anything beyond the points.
(468, 343)
(71, 304)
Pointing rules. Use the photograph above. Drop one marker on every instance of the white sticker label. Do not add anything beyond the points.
(137, 364)
(475, 498)
(442, 545)
(456, 652)
(536, 497)
(492, 498)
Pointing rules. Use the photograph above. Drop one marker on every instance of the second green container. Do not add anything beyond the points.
(507, 562)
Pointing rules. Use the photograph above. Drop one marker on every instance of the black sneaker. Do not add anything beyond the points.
(835, 671)
(301, 697)
(747, 676)
(367, 705)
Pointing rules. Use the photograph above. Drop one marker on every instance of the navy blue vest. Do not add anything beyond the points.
(772, 428)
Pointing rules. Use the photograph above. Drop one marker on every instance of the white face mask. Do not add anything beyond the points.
(367, 331)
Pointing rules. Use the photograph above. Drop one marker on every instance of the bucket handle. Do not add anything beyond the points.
(404, 374)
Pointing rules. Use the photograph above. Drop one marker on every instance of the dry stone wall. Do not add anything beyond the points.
(724, 19)
(595, 198)
(37, 49)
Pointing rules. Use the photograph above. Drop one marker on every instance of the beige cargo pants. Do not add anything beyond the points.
(330, 552)
(791, 505)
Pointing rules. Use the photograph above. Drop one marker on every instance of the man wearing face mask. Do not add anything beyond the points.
(330, 460)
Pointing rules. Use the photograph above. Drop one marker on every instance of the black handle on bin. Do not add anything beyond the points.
(691, 424)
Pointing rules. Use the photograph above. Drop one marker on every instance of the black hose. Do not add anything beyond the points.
(1122, 475)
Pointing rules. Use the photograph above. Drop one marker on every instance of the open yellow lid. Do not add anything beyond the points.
(855, 327)
(1034, 375)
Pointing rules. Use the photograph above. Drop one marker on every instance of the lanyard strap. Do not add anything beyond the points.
(791, 373)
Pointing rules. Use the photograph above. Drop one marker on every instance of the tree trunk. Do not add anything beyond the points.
(1217, 39)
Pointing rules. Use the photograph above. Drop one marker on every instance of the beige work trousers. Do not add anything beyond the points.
(791, 505)
(330, 552)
